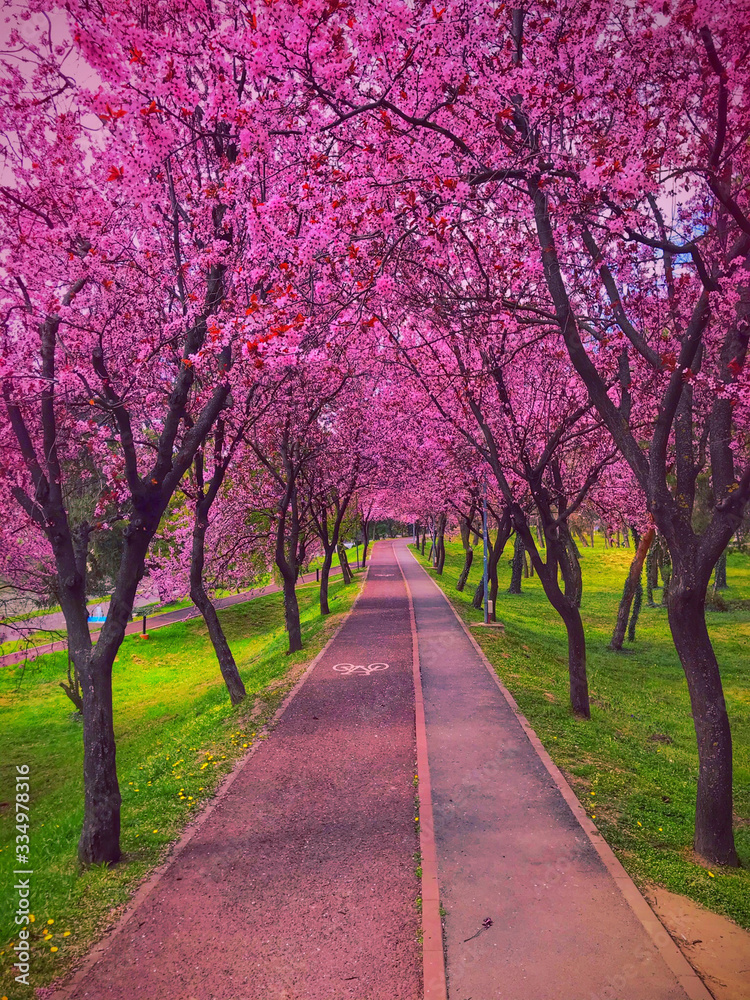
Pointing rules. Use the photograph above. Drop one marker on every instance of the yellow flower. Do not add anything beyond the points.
(50, 921)
(593, 815)
(53, 948)
(154, 831)
(639, 823)
(712, 875)
(66, 933)
(32, 918)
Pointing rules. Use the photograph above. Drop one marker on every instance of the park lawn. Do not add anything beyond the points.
(44, 636)
(177, 737)
(639, 787)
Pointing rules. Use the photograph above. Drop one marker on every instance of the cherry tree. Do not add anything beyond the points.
(613, 146)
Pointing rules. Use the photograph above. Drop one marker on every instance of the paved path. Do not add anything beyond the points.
(509, 847)
(31, 652)
(302, 885)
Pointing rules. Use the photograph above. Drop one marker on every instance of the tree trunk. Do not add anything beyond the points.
(468, 552)
(468, 560)
(563, 604)
(516, 566)
(637, 602)
(666, 576)
(424, 539)
(652, 576)
(346, 573)
(631, 582)
(288, 566)
(366, 541)
(478, 599)
(227, 664)
(291, 615)
(325, 571)
(714, 839)
(570, 566)
(578, 681)
(200, 599)
(720, 573)
(100, 835)
(440, 545)
(504, 528)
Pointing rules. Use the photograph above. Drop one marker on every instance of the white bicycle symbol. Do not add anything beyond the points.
(353, 668)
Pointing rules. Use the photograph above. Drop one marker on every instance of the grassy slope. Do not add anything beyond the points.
(642, 792)
(177, 737)
(44, 636)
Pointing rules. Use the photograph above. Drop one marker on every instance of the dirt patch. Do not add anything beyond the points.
(716, 947)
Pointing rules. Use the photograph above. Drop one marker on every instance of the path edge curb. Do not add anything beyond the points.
(433, 955)
(683, 971)
(99, 949)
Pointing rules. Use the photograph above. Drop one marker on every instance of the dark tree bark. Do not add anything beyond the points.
(200, 598)
(468, 560)
(346, 572)
(439, 553)
(465, 525)
(720, 573)
(286, 550)
(198, 594)
(504, 529)
(652, 576)
(631, 583)
(713, 820)
(565, 605)
(665, 567)
(570, 566)
(366, 540)
(637, 602)
(516, 566)
(329, 534)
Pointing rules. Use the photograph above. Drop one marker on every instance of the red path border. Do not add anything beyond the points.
(145, 888)
(433, 956)
(683, 971)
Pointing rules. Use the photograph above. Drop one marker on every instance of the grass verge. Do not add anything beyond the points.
(634, 765)
(177, 737)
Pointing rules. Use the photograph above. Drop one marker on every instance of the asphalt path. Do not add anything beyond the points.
(300, 884)
(303, 884)
(510, 850)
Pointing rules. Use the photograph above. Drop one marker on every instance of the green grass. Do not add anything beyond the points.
(643, 789)
(43, 636)
(177, 737)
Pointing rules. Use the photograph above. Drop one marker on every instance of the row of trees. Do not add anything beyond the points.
(258, 258)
